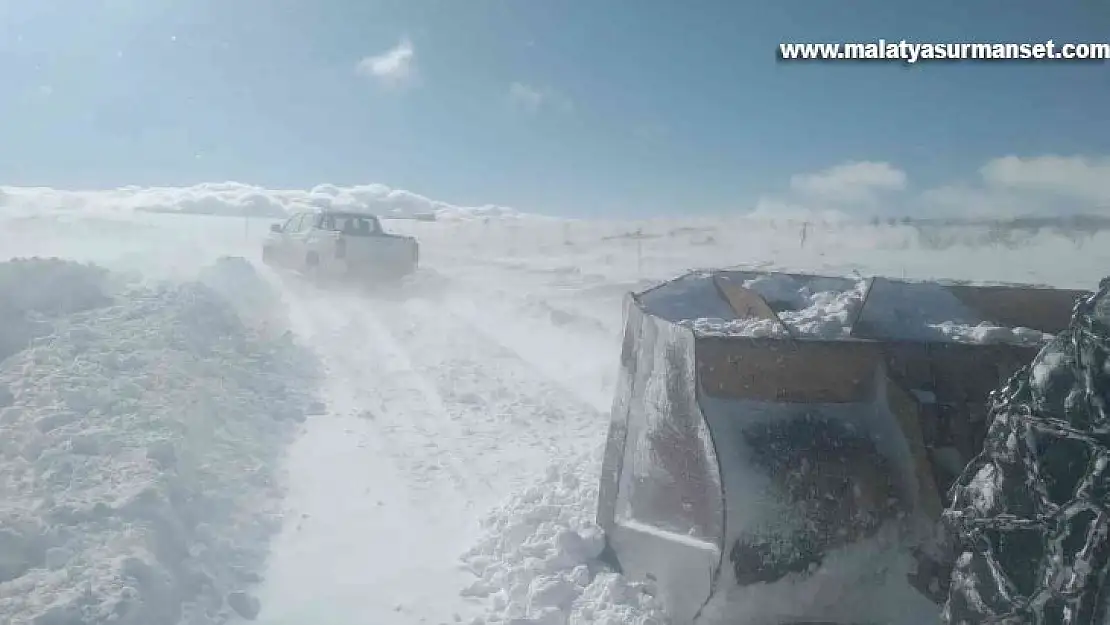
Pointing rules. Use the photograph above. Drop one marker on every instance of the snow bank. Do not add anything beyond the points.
(33, 291)
(239, 200)
(538, 562)
(140, 437)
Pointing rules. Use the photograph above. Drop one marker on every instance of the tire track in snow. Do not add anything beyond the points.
(405, 408)
(515, 419)
(377, 507)
(421, 419)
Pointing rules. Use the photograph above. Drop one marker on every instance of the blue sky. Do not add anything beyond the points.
(567, 106)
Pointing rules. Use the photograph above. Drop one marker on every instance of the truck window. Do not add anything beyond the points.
(290, 224)
(352, 225)
(297, 223)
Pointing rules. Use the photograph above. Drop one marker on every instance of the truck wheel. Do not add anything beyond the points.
(311, 268)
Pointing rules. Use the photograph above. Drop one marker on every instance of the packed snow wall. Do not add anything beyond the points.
(142, 425)
(793, 434)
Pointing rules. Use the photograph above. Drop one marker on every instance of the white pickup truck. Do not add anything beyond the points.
(339, 244)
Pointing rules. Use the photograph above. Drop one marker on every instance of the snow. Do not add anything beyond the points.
(985, 482)
(1049, 367)
(141, 440)
(756, 328)
(815, 309)
(538, 560)
(986, 332)
(431, 421)
(436, 405)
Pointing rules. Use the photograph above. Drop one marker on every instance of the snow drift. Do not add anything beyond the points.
(141, 430)
(538, 562)
(33, 291)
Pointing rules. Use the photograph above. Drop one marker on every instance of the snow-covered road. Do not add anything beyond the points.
(361, 545)
(439, 407)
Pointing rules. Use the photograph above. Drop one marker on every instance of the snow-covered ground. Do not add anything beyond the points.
(142, 427)
(154, 454)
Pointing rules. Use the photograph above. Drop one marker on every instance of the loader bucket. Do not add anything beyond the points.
(750, 441)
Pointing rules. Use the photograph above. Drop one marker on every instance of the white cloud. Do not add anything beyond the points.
(835, 193)
(859, 181)
(394, 67)
(236, 199)
(1076, 177)
(1026, 186)
(533, 99)
(525, 97)
(1006, 187)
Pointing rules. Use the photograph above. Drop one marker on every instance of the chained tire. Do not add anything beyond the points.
(1030, 515)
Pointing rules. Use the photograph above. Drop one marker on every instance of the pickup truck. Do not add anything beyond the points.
(325, 243)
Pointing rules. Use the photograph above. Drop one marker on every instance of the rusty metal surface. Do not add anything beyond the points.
(747, 304)
(1048, 310)
(768, 369)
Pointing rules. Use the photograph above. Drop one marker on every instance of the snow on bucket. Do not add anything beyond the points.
(777, 439)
